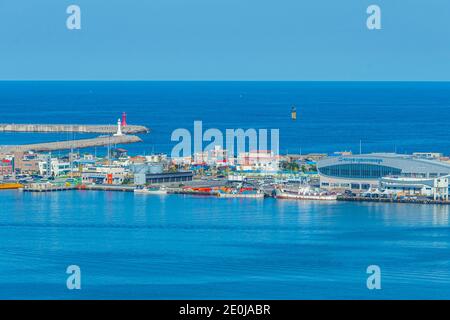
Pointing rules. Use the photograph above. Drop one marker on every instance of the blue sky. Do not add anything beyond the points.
(225, 40)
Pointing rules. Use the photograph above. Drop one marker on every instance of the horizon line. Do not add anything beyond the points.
(214, 80)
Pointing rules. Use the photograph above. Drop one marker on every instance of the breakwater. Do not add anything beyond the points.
(72, 144)
(78, 128)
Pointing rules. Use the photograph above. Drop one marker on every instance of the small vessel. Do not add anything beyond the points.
(304, 193)
(199, 191)
(240, 193)
(10, 185)
(151, 190)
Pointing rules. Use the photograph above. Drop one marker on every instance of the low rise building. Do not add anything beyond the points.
(6, 167)
(104, 175)
(165, 177)
(54, 167)
(436, 188)
(27, 163)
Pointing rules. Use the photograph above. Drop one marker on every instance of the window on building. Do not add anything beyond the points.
(360, 171)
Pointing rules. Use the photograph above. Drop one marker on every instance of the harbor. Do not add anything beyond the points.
(419, 178)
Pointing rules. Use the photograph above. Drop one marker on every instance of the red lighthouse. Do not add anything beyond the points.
(124, 119)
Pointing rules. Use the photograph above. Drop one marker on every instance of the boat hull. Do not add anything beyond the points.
(237, 195)
(306, 197)
(7, 186)
(150, 192)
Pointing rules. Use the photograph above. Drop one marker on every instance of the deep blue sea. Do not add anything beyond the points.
(332, 116)
(183, 247)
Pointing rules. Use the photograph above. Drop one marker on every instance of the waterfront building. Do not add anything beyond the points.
(436, 188)
(165, 177)
(54, 167)
(362, 172)
(104, 174)
(428, 155)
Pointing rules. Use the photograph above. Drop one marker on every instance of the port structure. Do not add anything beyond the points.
(77, 128)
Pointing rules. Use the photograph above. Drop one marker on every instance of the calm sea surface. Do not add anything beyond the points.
(131, 246)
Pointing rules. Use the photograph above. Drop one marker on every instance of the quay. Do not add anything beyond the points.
(72, 144)
(46, 188)
(106, 187)
(391, 200)
(78, 128)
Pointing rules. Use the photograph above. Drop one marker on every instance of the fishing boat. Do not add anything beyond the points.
(10, 185)
(151, 190)
(305, 193)
(240, 193)
(199, 191)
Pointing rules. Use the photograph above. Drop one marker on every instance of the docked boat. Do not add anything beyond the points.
(240, 193)
(10, 185)
(304, 193)
(151, 190)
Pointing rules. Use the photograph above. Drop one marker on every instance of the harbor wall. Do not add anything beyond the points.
(72, 144)
(79, 128)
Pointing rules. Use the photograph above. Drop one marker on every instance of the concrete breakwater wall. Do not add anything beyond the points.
(75, 144)
(80, 128)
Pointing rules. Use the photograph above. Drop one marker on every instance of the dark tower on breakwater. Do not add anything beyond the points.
(294, 113)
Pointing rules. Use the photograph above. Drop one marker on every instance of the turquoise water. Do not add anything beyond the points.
(184, 247)
(192, 247)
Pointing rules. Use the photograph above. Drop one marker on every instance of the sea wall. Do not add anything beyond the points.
(80, 128)
(75, 144)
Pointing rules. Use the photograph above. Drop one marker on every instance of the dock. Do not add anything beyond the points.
(46, 188)
(77, 128)
(391, 200)
(72, 144)
(107, 187)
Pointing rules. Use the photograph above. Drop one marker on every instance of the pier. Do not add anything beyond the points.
(42, 187)
(77, 128)
(72, 144)
(106, 187)
(391, 200)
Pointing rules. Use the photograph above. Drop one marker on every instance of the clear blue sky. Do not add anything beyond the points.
(225, 40)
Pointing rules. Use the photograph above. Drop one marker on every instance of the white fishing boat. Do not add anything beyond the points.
(304, 193)
(151, 190)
